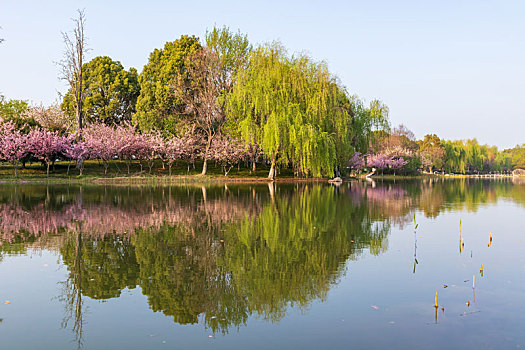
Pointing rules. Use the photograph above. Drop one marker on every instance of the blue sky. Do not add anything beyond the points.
(454, 68)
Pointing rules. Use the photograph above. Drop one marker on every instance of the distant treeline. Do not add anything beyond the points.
(399, 151)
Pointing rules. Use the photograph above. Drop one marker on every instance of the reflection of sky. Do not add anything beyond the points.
(346, 317)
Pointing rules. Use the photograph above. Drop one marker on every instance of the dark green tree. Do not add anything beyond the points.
(110, 91)
(108, 265)
(157, 105)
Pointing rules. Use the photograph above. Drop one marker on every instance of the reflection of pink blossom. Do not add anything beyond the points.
(101, 219)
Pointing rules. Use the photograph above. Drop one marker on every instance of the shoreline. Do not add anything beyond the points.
(191, 179)
(164, 180)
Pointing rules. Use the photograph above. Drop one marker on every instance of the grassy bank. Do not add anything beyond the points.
(118, 174)
(180, 173)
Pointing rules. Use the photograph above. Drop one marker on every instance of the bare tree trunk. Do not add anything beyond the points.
(71, 66)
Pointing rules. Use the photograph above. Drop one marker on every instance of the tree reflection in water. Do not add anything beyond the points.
(220, 254)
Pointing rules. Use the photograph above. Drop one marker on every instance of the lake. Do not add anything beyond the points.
(258, 266)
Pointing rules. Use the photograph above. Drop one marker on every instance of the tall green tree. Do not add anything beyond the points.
(110, 91)
(157, 105)
(455, 157)
(431, 152)
(208, 77)
(293, 108)
(370, 124)
(517, 155)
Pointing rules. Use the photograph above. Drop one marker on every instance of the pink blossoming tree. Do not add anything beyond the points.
(46, 145)
(13, 144)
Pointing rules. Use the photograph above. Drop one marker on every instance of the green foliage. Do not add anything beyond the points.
(156, 101)
(294, 109)
(12, 108)
(412, 167)
(516, 156)
(466, 157)
(432, 152)
(232, 50)
(378, 112)
(369, 126)
(291, 253)
(110, 92)
(107, 265)
(229, 254)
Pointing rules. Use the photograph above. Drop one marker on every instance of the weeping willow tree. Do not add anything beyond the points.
(294, 109)
(468, 156)
(370, 125)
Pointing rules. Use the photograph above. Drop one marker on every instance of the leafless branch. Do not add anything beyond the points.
(71, 64)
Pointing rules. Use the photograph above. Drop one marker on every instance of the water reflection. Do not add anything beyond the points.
(220, 254)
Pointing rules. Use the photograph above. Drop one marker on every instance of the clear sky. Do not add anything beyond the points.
(454, 68)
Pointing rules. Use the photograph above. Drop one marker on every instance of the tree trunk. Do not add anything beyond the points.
(271, 174)
(253, 166)
(48, 164)
(337, 171)
(205, 164)
(79, 115)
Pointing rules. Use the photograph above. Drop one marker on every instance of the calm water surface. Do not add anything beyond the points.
(262, 266)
